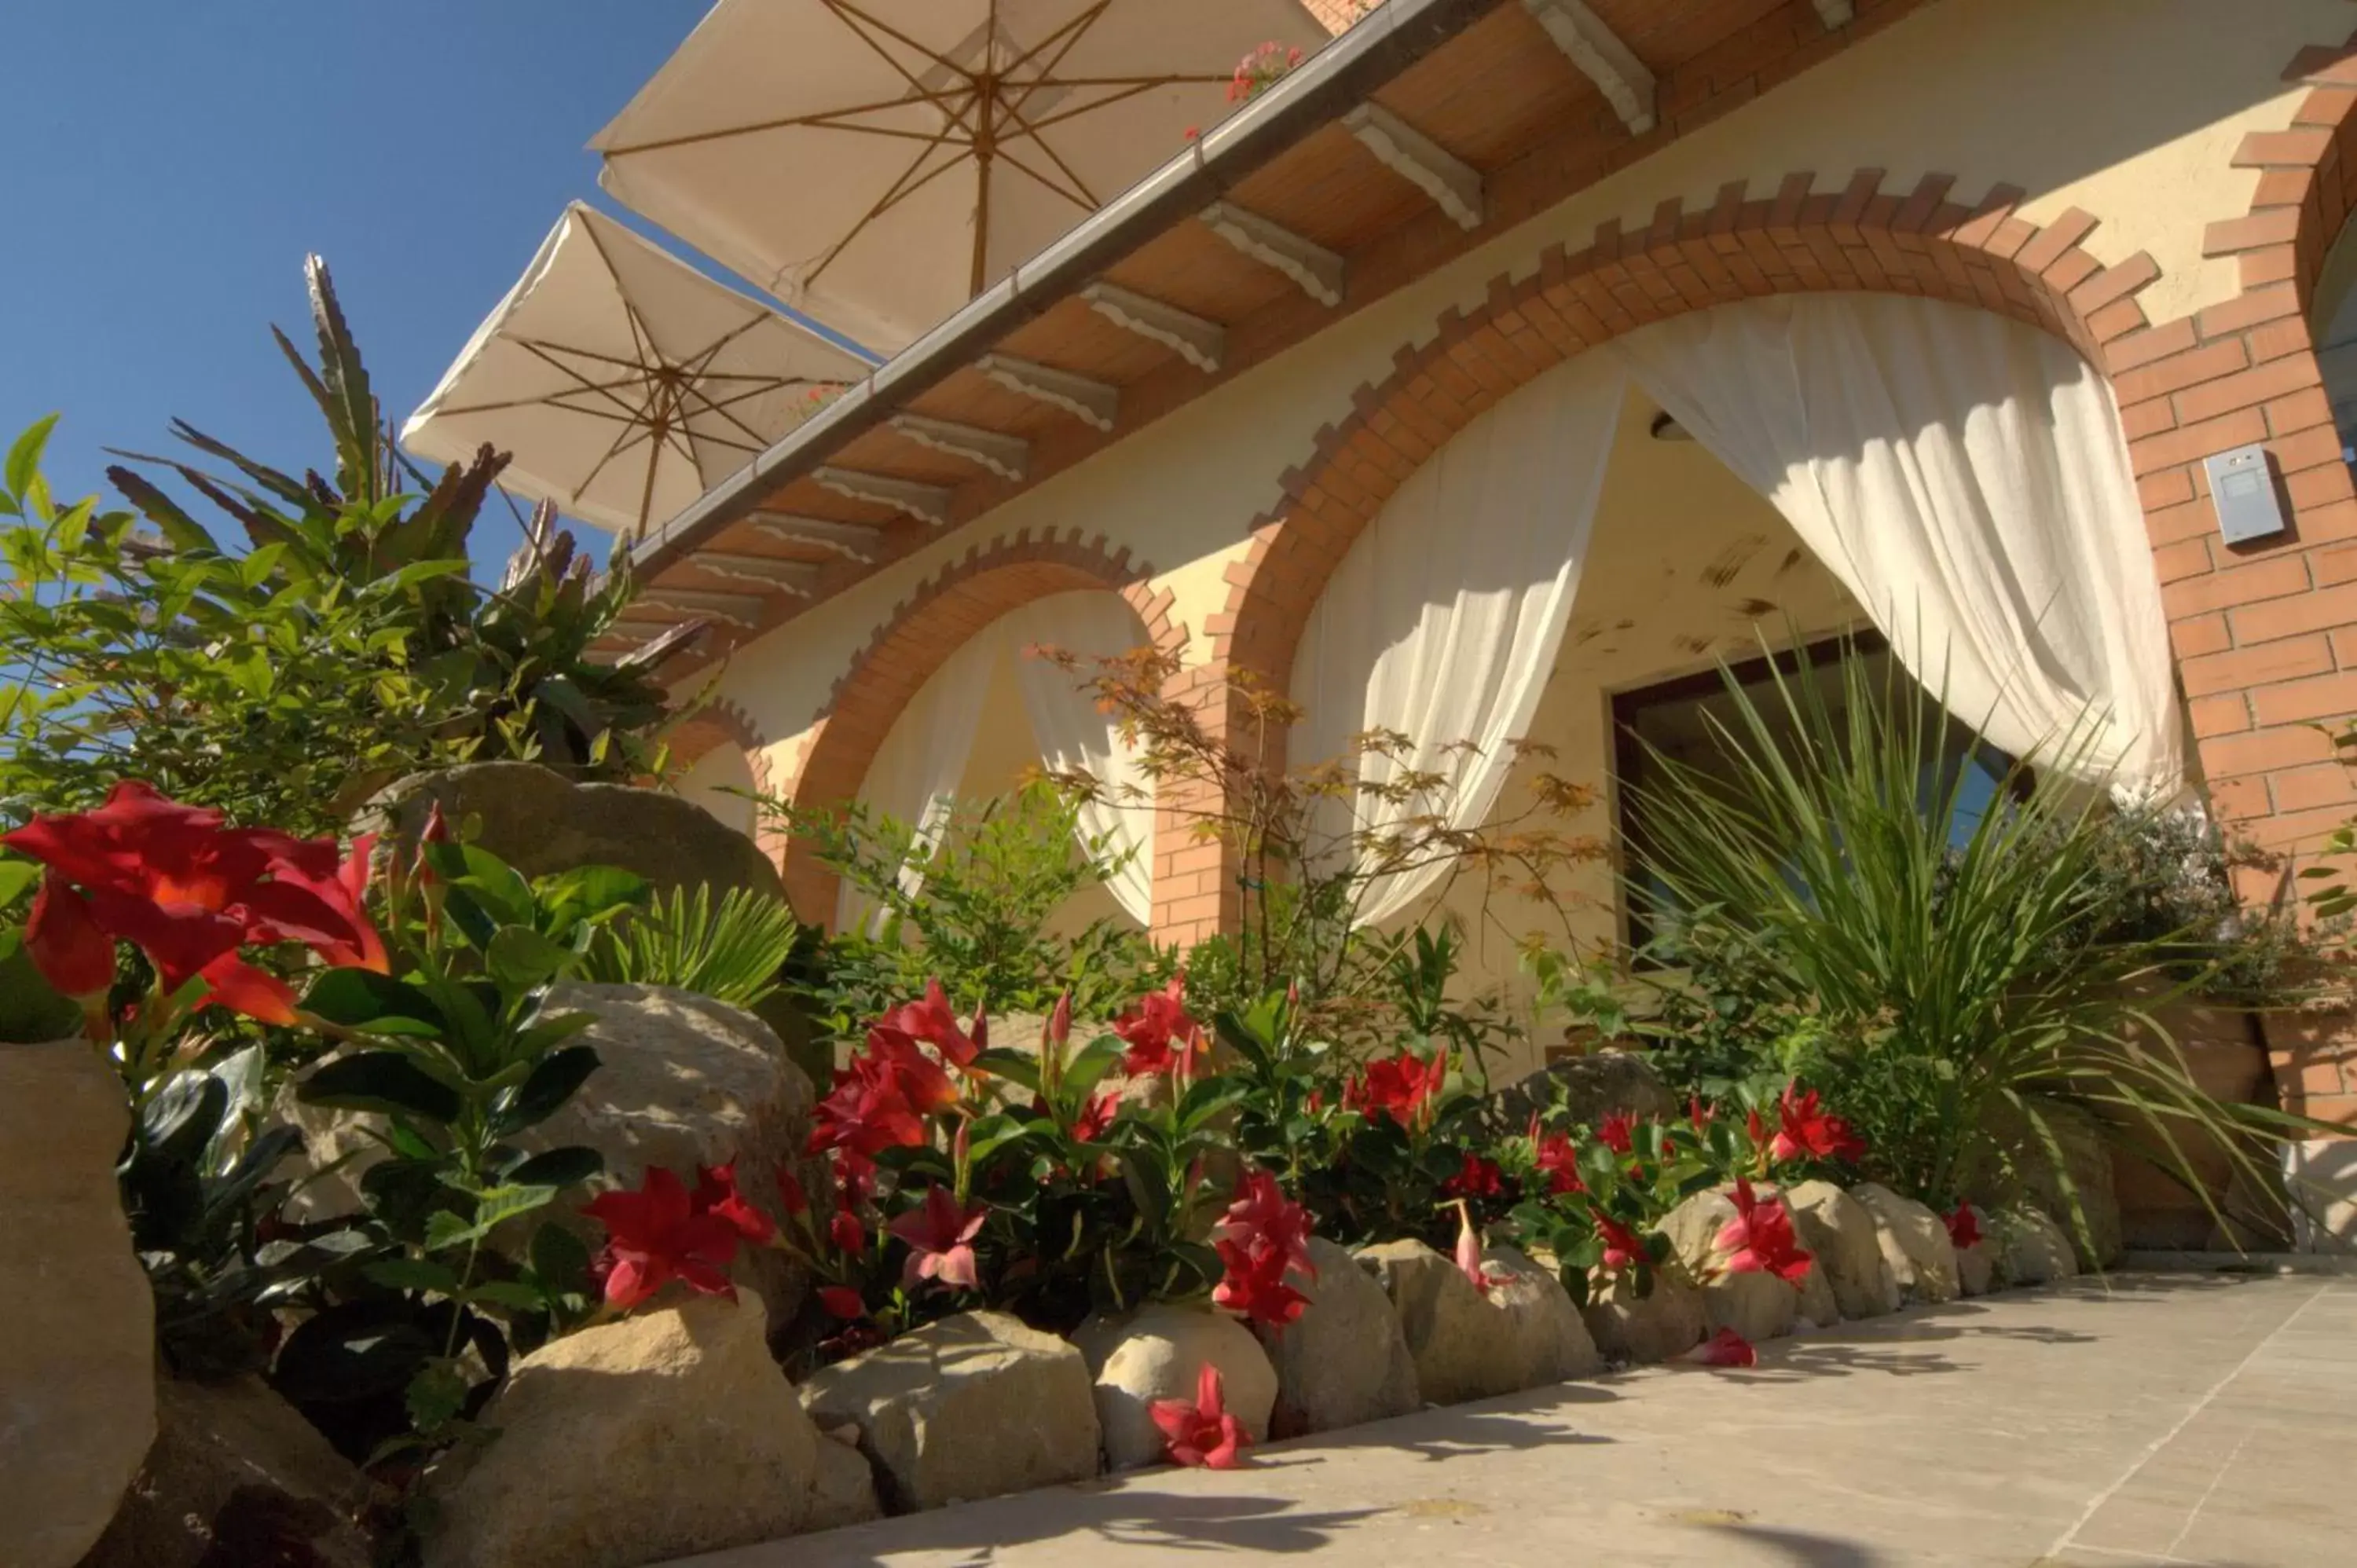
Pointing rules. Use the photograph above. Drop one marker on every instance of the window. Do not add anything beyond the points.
(1673, 719)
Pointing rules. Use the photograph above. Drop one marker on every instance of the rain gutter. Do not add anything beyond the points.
(1330, 83)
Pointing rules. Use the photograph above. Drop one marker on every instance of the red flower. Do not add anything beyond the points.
(1261, 1212)
(190, 891)
(1060, 1020)
(1623, 1247)
(661, 1234)
(1726, 1348)
(789, 1191)
(1478, 1178)
(1202, 1432)
(924, 1082)
(1254, 1286)
(844, 1230)
(842, 1301)
(1150, 1029)
(1759, 1238)
(1963, 1228)
(870, 1108)
(1093, 1118)
(65, 943)
(1805, 1132)
(1557, 1157)
(1618, 1133)
(1755, 1129)
(1263, 1236)
(940, 1241)
(1699, 1114)
(716, 1193)
(1401, 1088)
(931, 1021)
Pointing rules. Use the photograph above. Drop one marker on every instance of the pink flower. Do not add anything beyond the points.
(1759, 1238)
(1202, 1432)
(1726, 1348)
(1254, 1286)
(1262, 1238)
(1618, 1132)
(940, 1241)
(716, 1193)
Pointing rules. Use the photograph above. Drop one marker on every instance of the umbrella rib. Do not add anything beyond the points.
(901, 189)
(586, 383)
(1084, 199)
(817, 118)
(850, 15)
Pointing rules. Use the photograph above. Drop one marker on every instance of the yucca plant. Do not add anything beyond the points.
(1935, 943)
(730, 951)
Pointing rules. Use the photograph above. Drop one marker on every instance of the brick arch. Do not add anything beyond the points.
(724, 721)
(940, 615)
(1744, 246)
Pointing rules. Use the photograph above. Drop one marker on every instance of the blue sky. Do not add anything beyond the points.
(168, 165)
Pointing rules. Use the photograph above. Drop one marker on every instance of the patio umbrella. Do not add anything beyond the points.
(625, 383)
(878, 163)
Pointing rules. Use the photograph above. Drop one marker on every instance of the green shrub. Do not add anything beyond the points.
(732, 951)
(1945, 974)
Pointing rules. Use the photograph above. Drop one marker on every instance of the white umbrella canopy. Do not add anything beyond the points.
(878, 163)
(625, 383)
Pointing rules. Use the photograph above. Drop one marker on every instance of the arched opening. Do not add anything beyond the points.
(2332, 322)
(721, 781)
(994, 715)
(1771, 472)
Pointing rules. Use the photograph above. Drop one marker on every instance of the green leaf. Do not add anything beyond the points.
(17, 878)
(519, 958)
(513, 1294)
(1015, 1067)
(551, 1083)
(560, 1259)
(568, 1166)
(25, 455)
(378, 1004)
(1091, 1064)
(379, 1080)
(413, 1273)
(495, 1206)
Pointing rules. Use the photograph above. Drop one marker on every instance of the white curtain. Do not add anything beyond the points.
(915, 775)
(917, 770)
(1075, 737)
(1965, 479)
(1443, 620)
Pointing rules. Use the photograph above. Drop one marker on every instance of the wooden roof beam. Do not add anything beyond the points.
(1603, 59)
(795, 577)
(926, 503)
(1201, 343)
(1094, 403)
(851, 541)
(1315, 269)
(1836, 13)
(738, 609)
(1454, 184)
(1008, 457)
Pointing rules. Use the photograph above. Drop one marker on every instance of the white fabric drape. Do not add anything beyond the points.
(1443, 620)
(1965, 479)
(1074, 738)
(915, 775)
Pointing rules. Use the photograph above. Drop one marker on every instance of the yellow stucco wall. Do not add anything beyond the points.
(2127, 108)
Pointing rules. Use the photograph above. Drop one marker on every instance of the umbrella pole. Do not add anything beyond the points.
(985, 145)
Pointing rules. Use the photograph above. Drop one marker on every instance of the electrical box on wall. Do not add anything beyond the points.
(2243, 489)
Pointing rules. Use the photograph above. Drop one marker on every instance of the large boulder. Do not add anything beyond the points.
(1158, 1352)
(1914, 1240)
(1599, 1084)
(682, 1082)
(1838, 1230)
(2086, 1205)
(2032, 1248)
(1472, 1342)
(971, 1406)
(1344, 1360)
(78, 1356)
(1660, 1325)
(541, 823)
(1755, 1305)
(236, 1476)
(665, 1433)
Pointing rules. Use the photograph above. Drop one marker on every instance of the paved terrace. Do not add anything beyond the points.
(2160, 1419)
